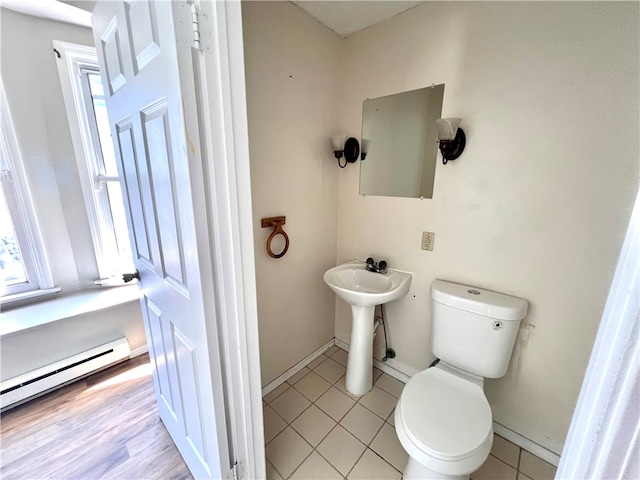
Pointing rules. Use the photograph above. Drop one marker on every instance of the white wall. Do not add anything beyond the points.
(538, 203)
(30, 76)
(28, 350)
(37, 109)
(292, 67)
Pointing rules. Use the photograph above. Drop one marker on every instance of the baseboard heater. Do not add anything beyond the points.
(17, 390)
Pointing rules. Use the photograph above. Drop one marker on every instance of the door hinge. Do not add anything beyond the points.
(195, 23)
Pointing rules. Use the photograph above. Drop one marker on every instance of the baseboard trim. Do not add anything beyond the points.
(296, 368)
(528, 445)
(139, 351)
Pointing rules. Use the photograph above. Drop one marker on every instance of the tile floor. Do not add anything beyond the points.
(315, 430)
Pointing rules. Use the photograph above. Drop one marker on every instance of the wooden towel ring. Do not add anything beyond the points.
(276, 223)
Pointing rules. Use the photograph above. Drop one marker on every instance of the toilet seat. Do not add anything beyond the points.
(444, 421)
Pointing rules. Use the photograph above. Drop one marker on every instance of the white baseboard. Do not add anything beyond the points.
(525, 443)
(296, 368)
(139, 351)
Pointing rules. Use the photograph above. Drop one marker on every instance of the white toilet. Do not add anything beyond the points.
(443, 419)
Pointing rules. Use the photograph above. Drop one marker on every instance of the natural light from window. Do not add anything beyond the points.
(97, 163)
(110, 178)
(24, 271)
(11, 265)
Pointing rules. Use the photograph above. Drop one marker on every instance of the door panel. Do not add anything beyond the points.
(160, 354)
(144, 37)
(157, 135)
(133, 191)
(186, 360)
(112, 54)
(139, 60)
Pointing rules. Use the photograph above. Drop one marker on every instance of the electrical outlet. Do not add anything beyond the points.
(427, 240)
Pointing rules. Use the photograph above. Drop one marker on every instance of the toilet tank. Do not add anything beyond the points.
(474, 329)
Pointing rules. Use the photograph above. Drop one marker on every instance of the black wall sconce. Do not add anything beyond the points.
(451, 139)
(364, 148)
(350, 149)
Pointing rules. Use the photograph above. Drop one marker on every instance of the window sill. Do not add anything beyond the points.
(9, 301)
(64, 307)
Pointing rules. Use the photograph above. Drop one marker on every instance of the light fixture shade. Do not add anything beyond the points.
(364, 145)
(338, 142)
(447, 128)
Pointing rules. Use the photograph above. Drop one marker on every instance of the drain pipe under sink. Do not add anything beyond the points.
(376, 324)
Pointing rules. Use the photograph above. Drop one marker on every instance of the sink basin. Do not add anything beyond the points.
(363, 290)
(359, 287)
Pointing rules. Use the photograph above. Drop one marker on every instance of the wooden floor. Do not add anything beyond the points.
(104, 426)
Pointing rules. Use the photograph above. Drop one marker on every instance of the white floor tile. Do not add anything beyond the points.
(316, 362)
(506, 451)
(313, 425)
(372, 467)
(313, 409)
(387, 445)
(273, 424)
(535, 467)
(289, 405)
(391, 419)
(335, 403)
(379, 402)
(316, 468)
(292, 380)
(362, 423)
(312, 386)
(341, 449)
(494, 469)
(340, 356)
(287, 451)
(275, 393)
(272, 473)
(332, 350)
(330, 370)
(340, 385)
(390, 385)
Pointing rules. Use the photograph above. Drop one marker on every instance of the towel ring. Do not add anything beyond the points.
(276, 223)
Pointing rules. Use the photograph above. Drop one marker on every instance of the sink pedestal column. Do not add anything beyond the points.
(360, 360)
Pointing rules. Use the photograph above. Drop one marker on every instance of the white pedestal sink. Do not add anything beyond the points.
(363, 290)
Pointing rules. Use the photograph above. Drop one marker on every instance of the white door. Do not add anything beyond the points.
(156, 142)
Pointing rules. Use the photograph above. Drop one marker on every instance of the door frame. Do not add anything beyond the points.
(218, 72)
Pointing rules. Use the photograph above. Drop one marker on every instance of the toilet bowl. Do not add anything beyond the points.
(443, 419)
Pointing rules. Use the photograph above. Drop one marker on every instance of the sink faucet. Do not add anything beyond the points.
(380, 267)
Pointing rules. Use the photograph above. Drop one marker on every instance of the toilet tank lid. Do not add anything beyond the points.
(480, 301)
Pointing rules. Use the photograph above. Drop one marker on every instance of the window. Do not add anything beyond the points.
(15, 262)
(86, 110)
(23, 266)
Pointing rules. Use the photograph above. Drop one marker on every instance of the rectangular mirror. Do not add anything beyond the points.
(401, 128)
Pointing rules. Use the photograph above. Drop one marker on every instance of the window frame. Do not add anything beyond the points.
(73, 65)
(19, 201)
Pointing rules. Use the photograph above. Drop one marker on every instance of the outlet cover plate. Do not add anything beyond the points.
(427, 240)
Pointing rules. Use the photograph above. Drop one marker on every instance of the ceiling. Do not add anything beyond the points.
(342, 16)
(346, 17)
(51, 9)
